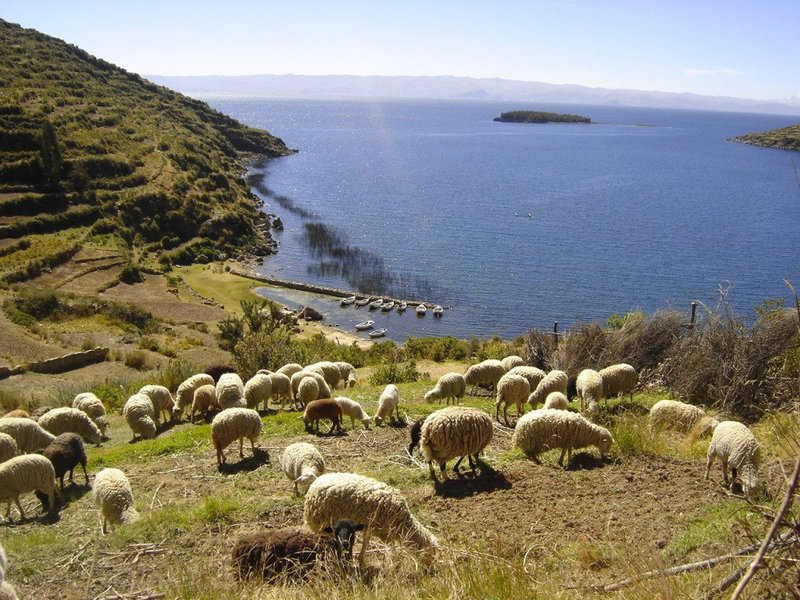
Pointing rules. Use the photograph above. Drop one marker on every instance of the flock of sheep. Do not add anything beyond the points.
(35, 454)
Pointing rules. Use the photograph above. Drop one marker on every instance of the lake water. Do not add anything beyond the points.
(643, 209)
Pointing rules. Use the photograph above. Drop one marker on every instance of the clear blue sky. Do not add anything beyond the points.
(738, 48)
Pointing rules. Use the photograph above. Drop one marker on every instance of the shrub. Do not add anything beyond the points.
(136, 359)
(130, 274)
(397, 373)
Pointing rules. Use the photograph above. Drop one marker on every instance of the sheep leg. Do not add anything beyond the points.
(709, 462)
(561, 458)
(432, 472)
(241, 447)
(19, 506)
(725, 470)
(505, 413)
(458, 462)
(472, 463)
(253, 445)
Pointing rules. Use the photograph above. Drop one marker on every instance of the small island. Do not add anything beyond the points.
(536, 116)
(787, 138)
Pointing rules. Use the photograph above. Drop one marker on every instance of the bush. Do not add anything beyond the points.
(136, 359)
(397, 373)
(130, 274)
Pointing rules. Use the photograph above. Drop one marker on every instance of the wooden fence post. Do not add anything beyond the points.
(555, 332)
(692, 319)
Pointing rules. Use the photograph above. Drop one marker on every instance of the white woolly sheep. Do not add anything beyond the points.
(511, 389)
(140, 416)
(66, 452)
(679, 416)
(589, 387)
(449, 385)
(302, 463)
(381, 508)
(510, 362)
(18, 413)
(161, 399)
(66, 419)
(230, 391)
(352, 409)
(532, 374)
(235, 424)
(205, 399)
(452, 432)
(388, 405)
(545, 429)
(486, 372)
(347, 373)
(27, 473)
(92, 406)
(290, 369)
(185, 394)
(281, 387)
(619, 379)
(28, 434)
(329, 371)
(8, 447)
(258, 389)
(554, 381)
(307, 391)
(735, 445)
(322, 385)
(7, 591)
(322, 408)
(556, 401)
(113, 495)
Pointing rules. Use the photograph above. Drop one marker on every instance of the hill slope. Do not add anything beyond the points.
(786, 138)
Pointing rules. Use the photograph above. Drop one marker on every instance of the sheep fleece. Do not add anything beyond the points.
(300, 457)
(113, 495)
(672, 414)
(185, 393)
(453, 432)
(28, 434)
(548, 428)
(70, 420)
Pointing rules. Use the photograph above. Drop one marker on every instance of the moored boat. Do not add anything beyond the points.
(387, 306)
(348, 301)
(378, 333)
(365, 325)
(421, 310)
(375, 304)
(402, 306)
(363, 301)
(438, 310)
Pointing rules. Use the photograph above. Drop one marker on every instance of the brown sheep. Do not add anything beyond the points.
(323, 408)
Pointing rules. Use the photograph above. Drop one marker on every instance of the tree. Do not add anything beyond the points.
(50, 155)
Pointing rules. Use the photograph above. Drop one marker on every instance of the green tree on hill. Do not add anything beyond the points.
(50, 155)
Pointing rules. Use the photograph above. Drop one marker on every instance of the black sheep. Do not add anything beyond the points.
(66, 452)
(572, 389)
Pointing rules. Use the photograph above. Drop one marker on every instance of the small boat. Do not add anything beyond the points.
(365, 325)
(348, 301)
(387, 306)
(375, 304)
(421, 310)
(402, 306)
(378, 333)
(437, 311)
(363, 301)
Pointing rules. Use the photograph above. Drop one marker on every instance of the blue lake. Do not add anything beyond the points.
(643, 209)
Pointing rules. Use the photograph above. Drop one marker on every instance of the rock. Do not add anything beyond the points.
(277, 224)
(310, 314)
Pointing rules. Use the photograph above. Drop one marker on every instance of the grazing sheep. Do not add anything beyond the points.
(589, 387)
(486, 372)
(19, 413)
(619, 379)
(679, 416)
(281, 387)
(290, 369)
(66, 452)
(449, 385)
(28, 434)
(347, 373)
(322, 408)
(556, 400)
(140, 416)
(572, 388)
(388, 405)
(27, 473)
(161, 399)
(329, 371)
(65, 419)
(185, 394)
(258, 389)
(322, 385)
(302, 463)
(7, 591)
(452, 432)
(8, 447)
(230, 391)
(92, 406)
(291, 553)
(509, 362)
(511, 389)
(351, 408)
(554, 381)
(235, 424)
(735, 445)
(205, 399)
(113, 495)
(532, 374)
(307, 391)
(217, 371)
(545, 429)
(381, 508)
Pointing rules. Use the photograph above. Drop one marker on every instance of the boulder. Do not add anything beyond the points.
(310, 314)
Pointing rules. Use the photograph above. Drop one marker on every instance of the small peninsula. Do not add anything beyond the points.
(786, 138)
(536, 116)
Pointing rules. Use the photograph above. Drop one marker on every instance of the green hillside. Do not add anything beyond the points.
(787, 138)
(93, 154)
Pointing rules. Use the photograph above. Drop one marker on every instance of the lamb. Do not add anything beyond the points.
(66, 452)
(486, 372)
(290, 552)
(235, 424)
(185, 393)
(347, 373)
(7, 591)
(65, 419)
(556, 400)
(324, 389)
(113, 495)
(281, 387)
(322, 408)
(381, 508)
(205, 399)
(140, 416)
(510, 362)
(94, 408)
(307, 391)
(733, 443)
(302, 463)
(28, 434)
(388, 405)
(449, 385)
(554, 381)
(258, 389)
(161, 399)
(351, 408)
(589, 388)
(27, 473)
(532, 374)
(619, 379)
(329, 371)
(8, 447)
(679, 416)
(454, 431)
(545, 429)
(230, 391)
(511, 389)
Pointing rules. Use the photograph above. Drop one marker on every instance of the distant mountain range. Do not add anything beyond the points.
(457, 88)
